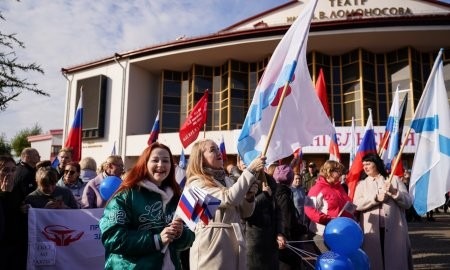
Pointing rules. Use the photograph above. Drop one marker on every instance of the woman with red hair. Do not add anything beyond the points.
(138, 221)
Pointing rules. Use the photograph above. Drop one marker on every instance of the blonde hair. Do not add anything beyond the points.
(113, 159)
(271, 169)
(67, 150)
(195, 166)
(331, 166)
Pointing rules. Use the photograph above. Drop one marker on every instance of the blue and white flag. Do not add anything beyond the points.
(430, 174)
(392, 129)
(302, 116)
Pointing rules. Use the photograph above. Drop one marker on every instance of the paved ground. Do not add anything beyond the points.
(430, 242)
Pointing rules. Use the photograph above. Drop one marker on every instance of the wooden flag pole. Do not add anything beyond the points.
(275, 118)
(397, 158)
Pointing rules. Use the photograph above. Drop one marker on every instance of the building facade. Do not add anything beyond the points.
(366, 48)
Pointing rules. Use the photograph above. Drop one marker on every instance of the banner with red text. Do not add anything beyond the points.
(65, 239)
(196, 119)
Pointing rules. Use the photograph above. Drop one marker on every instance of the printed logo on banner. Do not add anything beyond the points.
(61, 235)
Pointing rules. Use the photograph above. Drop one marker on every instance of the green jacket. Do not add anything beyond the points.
(131, 224)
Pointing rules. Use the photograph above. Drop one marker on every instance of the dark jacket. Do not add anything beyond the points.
(38, 199)
(261, 231)
(288, 224)
(24, 180)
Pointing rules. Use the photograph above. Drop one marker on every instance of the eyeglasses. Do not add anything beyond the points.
(70, 172)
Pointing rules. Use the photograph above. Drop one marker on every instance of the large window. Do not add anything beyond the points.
(355, 81)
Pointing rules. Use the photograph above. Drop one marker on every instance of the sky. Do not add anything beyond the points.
(64, 33)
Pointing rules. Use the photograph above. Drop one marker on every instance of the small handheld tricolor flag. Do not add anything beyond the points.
(196, 204)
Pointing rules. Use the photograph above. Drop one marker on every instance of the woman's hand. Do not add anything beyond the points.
(250, 196)
(382, 197)
(281, 240)
(177, 225)
(167, 235)
(172, 231)
(389, 188)
(257, 164)
(7, 183)
(266, 188)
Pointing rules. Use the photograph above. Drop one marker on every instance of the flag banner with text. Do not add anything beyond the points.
(65, 239)
(196, 119)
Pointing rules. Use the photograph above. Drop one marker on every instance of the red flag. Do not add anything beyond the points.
(74, 138)
(196, 119)
(321, 90)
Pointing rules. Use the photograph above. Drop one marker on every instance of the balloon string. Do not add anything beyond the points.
(308, 254)
(302, 241)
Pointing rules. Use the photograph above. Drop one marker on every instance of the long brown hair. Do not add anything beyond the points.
(140, 172)
(195, 166)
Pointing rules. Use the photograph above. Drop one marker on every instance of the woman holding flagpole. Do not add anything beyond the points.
(138, 220)
(220, 244)
(382, 204)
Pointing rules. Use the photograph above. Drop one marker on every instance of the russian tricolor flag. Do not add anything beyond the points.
(368, 145)
(223, 151)
(195, 205)
(155, 131)
(334, 147)
(74, 138)
(186, 208)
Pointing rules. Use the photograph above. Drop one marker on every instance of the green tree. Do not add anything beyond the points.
(5, 147)
(19, 142)
(12, 85)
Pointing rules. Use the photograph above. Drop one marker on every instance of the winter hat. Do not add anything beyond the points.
(283, 174)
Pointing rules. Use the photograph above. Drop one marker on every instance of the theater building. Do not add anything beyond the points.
(366, 49)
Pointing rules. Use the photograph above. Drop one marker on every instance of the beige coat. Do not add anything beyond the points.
(397, 247)
(220, 244)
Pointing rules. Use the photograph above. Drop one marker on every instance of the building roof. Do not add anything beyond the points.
(421, 24)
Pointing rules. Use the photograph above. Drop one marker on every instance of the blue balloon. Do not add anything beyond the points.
(343, 235)
(108, 186)
(360, 260)
(331, 260)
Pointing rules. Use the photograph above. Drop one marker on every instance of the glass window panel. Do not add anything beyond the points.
(171, 108)
(238, 102)
(350, 73)
(223, 117)
(171, 100)
(239, 80)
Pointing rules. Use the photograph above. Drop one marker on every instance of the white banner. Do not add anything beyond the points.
(65, 239)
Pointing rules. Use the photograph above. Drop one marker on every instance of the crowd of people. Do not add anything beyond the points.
(265, 209)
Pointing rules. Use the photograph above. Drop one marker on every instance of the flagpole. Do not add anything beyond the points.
(275, 118)
(433, 71)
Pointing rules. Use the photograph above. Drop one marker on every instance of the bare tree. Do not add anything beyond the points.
(11, 84)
